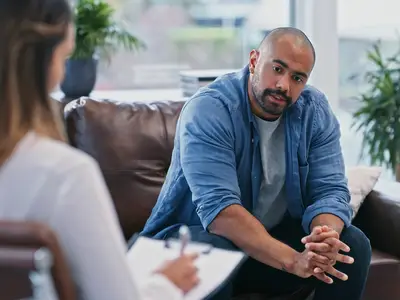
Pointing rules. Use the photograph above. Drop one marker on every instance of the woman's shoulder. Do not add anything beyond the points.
(45, 168)
(43, 154)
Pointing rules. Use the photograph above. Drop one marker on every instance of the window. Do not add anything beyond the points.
(361, 23)
(187, 34)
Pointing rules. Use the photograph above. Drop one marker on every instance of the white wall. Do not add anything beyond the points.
(318, 19)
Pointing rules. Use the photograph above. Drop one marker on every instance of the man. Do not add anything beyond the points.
(257, 165)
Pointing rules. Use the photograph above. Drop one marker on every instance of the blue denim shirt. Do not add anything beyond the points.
(216, 160)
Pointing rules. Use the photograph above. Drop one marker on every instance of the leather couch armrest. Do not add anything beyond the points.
(379, 217)
(16, 264)
(23, 258)
(34, 235)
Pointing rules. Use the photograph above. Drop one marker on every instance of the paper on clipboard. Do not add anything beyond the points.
(215, 265)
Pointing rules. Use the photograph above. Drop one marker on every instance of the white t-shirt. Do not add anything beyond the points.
(51, 182)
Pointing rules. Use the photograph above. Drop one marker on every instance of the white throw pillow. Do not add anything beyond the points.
(361, 181)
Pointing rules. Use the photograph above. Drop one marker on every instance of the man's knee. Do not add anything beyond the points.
(360, 246)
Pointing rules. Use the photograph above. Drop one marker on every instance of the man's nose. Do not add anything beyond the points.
(283, 84)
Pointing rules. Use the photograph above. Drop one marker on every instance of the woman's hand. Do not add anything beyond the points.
(182, 272)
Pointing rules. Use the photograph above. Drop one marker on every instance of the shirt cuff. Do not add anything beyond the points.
(160, 287)
(341, 211)
(207, 216)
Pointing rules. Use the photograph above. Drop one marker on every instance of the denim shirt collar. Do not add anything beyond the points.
(244, 74)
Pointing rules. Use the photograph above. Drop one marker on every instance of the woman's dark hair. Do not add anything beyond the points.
(30, 30)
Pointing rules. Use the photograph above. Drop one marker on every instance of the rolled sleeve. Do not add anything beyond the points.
(206, 137)
(327, 188)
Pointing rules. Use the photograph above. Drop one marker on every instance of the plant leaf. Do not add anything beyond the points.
(98, 32)
(378, 117)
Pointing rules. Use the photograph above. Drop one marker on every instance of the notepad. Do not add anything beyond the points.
(215, 265)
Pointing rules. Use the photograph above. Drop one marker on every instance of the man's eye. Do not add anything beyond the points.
(277, 69)
(297, 79)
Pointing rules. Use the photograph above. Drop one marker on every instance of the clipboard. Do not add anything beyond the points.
(211, 261)
(169, 243)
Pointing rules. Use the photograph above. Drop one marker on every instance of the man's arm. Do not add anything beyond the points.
(244, 230)
(327, 183)
(206, 137)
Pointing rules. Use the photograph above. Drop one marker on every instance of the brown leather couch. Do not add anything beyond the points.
(32, 263)
(133, 145)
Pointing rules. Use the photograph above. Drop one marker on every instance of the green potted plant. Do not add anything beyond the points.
(98, 35)
(378, 117)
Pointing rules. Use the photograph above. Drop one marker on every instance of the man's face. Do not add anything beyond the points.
(279, 74)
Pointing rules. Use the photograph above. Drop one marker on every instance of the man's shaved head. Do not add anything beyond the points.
(279, 70)
(298, 37)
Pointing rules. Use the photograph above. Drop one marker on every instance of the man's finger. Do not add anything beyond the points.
(337, 244)
(337, 257)
(318, 247)
(314, 257)
(317, 230)
(320, 237)
(344, 259)
(332, 256)
(329, 270)
(326, 228)
(334, 272)
(323, 277)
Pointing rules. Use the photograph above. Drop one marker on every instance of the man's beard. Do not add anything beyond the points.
(266, 105)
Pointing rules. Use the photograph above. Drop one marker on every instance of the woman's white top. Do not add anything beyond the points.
(49, 181)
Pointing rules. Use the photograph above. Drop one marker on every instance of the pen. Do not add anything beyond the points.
(184, 237)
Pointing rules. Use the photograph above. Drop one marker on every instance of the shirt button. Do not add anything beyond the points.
(252, 140)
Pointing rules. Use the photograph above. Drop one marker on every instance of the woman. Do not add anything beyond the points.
(43, 179)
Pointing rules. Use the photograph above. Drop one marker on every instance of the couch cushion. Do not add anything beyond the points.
(361, 181)
(133, 144)
(383, 278)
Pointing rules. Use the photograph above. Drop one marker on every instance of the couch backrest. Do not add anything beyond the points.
(133, 145)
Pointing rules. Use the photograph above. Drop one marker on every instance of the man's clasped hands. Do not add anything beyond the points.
(321, 253)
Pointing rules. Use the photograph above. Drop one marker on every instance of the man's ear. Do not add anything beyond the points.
(254, 54)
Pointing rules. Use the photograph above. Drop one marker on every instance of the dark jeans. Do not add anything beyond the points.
(255, 277)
